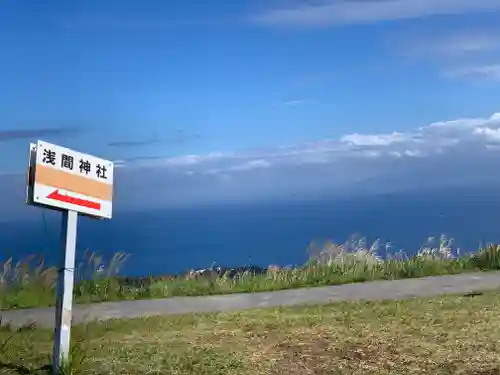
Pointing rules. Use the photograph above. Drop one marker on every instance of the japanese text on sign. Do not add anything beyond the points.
(67, 162)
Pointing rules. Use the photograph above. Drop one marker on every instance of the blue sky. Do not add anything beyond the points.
(222, 100)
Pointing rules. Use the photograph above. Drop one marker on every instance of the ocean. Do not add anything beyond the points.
(168, 241)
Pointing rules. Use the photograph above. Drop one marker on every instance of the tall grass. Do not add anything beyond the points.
(31, 283)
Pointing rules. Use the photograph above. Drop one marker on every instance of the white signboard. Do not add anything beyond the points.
(69, 180)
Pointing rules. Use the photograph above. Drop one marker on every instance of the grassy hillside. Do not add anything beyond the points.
(446, 335)
(30, 283)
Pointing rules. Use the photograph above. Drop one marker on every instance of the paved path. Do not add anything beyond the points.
(376, 290)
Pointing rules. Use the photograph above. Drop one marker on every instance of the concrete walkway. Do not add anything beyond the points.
(370, 291)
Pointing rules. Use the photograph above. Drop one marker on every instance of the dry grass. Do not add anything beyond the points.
(447, 335)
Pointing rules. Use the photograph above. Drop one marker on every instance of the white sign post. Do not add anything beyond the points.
(71, 182)
(64, 301)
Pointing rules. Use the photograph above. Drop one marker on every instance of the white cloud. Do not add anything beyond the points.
(334, 12)
(243, 167)
(294, 102)
(290, 103)
(451, 44)
(490, 72)
(433, 139)
(459, 53)
(467, 43)
(186, 160)
(491, 135)
(372, 140)
(251, 165)
(119, 163)
(413, 153)
(426, 156)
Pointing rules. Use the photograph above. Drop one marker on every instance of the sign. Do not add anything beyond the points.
(69, 180)
(74, 183)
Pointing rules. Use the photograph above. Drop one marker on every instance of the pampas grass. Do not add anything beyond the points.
(31, 283)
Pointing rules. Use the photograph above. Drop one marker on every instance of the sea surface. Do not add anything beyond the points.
(168, 241)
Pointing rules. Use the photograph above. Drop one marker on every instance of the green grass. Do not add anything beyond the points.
(30, 283)
(439, 336)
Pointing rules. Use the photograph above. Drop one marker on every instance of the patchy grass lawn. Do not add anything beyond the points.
(447, 335)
